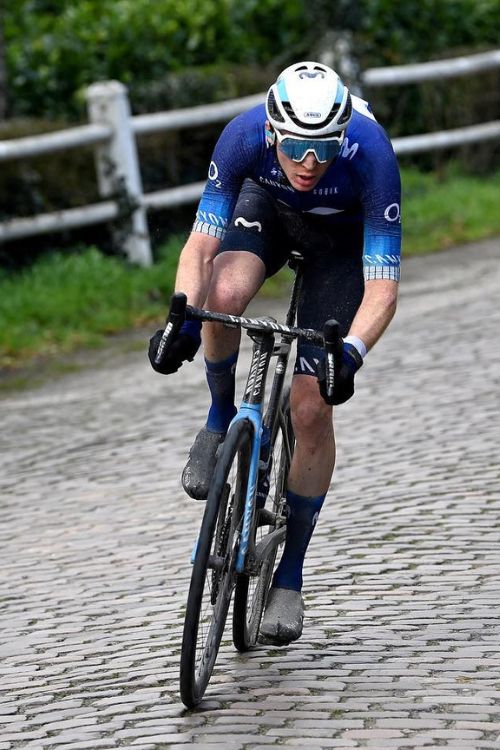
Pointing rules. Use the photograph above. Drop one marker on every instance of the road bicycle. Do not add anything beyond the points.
(240, 533)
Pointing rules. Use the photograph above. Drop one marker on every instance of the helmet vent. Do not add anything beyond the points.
(346, 114)
(310, 125)
(273, 108)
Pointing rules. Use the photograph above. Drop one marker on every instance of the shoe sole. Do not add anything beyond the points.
(268, 639)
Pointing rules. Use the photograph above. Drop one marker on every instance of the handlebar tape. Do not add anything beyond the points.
(175, 319)
(333, 351)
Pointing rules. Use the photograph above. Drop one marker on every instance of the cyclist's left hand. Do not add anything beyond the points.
(344, 378)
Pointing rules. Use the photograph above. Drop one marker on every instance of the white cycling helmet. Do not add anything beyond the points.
(309, 100)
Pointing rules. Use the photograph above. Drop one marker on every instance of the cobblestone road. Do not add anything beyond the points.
(401, 643)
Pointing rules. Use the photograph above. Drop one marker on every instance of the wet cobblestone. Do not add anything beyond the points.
(400, 646)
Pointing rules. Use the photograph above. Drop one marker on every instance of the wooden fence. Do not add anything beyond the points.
(112, 130)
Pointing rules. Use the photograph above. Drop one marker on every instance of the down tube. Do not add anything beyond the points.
(253, 412)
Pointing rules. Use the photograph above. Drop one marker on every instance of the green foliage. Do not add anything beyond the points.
(440, 212)
(392, 32)
(56, 49)
(74, 299)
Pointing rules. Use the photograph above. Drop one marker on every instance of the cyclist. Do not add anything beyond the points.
(313, 171)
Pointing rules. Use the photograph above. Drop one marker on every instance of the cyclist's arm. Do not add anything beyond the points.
(376, 311)
(378, 173)
(195, 267)
(236, 150)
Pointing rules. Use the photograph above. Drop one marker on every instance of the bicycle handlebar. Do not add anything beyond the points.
(180, 311)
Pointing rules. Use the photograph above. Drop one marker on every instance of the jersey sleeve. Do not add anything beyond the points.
(380, 192)
(234, 154)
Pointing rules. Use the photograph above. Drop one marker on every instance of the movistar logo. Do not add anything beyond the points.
(248, 224)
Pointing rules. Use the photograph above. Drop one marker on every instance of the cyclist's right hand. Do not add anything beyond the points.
(184, 346)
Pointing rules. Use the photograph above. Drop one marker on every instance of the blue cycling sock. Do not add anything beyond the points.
(221, 382)
(302, 516)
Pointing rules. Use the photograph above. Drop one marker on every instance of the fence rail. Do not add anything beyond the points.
(430, 71)
(49, 143)
(113, 131)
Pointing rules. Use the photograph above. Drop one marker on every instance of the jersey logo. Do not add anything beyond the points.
(248, 224)
(213, 174)
(348, 151)
(393, 212)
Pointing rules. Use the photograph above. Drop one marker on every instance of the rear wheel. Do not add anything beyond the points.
(252, 587)
(213, 577)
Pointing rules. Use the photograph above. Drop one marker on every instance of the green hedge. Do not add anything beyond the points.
(54, 48)
(52, 56)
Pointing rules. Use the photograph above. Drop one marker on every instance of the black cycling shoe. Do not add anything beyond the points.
(283, 619)
(199, 469)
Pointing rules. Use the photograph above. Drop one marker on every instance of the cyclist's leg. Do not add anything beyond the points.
(332, 287)
(236, 279)
(243, 262)
(237, 276)
(308, 482)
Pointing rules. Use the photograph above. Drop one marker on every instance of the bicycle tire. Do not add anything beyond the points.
(251, 590)
(213, 577)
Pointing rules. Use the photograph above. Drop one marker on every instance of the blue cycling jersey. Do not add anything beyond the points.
(361, 186)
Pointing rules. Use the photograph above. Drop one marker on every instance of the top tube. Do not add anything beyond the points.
(263, 325)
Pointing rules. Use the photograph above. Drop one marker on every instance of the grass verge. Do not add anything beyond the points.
(67, 301)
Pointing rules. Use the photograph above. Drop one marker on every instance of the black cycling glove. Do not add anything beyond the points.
(344, 378)
(183, 347)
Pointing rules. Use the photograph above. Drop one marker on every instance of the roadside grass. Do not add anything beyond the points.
(68, 301)
(441, 213)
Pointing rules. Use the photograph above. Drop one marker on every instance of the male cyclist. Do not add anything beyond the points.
(311, 171)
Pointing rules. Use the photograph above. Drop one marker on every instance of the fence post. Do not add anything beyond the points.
(117, 165)
(337, 51)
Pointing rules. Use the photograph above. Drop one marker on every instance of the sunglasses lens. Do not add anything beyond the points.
(297, 149)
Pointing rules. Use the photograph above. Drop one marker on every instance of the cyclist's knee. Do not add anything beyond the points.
(311, 416)
(236, 279)
(226, 299)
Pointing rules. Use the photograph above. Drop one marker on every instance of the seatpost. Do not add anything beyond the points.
(296, 263)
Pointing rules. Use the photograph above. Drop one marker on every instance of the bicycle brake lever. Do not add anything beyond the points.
(333, 351)
(175, 319)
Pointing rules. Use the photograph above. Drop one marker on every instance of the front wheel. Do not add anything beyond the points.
(252, 589)
(213, 577)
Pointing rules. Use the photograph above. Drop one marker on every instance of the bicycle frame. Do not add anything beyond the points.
(252, 409)
(262, 333)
